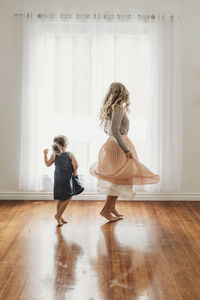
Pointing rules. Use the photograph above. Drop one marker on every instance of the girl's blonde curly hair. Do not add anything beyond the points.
(117, 95)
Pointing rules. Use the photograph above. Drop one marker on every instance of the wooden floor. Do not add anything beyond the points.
(154, 253)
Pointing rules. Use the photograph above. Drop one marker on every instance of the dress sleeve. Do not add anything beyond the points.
(117, 116)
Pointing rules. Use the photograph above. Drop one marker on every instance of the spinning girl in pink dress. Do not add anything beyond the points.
(118, 167)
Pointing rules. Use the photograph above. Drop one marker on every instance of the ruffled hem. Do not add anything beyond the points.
(127, 192)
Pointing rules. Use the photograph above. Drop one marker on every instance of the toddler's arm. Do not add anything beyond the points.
(49, 161)
(74, 163)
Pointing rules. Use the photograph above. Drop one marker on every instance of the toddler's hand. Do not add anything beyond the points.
(46, 151)
(129, 155)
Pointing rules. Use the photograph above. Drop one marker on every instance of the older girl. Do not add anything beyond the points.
(118, 167)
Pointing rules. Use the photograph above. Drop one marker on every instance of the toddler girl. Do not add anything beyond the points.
(66, 183)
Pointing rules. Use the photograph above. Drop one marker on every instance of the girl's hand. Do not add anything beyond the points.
(46, 151)
(129, 155)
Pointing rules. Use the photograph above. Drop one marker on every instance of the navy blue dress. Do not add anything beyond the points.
(65, 185)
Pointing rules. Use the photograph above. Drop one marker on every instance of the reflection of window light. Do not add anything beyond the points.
(137, 236)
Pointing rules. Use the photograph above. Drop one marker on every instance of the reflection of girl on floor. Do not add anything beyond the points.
(123, 272)
(66, 257)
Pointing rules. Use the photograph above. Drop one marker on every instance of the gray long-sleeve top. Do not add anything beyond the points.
(119, 125)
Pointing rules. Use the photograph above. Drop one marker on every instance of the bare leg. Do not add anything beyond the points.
(106, 211)
(113, 209)
(60, 210)
(63, 207)
(58, 206)
(56, 215)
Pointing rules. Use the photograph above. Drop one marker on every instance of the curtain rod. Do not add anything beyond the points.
(94, 15)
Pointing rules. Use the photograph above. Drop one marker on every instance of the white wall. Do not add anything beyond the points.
(10, 76)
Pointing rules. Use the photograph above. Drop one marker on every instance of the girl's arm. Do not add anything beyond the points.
(74, 163)
(116, 120)
(49, 161)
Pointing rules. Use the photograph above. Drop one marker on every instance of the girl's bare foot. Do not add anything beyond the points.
(108, 216)
(58, 220)
(115, 212)
(63, 221)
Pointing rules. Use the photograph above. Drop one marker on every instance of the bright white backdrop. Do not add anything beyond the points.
(68, 66)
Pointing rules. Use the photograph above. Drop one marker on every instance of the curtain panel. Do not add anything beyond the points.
(68, 65)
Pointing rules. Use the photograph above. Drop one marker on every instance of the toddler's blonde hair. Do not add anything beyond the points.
(59, 143)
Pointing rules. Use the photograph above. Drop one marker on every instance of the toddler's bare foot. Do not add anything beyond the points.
(108, 216)
(58, 220)
(115, 212)
(63, 221)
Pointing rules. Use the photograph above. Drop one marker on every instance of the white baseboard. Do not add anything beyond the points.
(139, 197)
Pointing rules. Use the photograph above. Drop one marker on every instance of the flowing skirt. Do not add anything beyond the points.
(117, 173)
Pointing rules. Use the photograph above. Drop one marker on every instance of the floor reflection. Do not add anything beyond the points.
(122, 266)
(66, 257)
(123, 271)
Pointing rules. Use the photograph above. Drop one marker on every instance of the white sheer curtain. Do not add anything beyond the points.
(68, 67)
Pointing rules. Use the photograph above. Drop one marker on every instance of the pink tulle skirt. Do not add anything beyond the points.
(113, 167)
